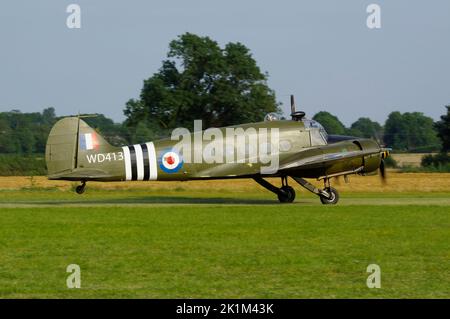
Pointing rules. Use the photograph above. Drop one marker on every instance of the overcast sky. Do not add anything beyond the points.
(321, 51)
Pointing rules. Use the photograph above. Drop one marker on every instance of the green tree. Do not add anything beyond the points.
(441, 162)
(142, 133)
(201, 80)
(49, 116)
(8, 143)
(27, 141)
(412, 132)
(330, 122)
(42, 124)
(443, 128)
(365, 127)
(26, 132)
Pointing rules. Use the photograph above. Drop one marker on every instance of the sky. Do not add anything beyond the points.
(321, 51)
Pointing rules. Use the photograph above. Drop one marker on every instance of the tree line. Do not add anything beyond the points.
(26, 133)
(404, 132)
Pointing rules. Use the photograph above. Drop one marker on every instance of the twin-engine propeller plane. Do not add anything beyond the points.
(76, 152)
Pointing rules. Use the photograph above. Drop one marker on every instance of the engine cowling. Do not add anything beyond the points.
(371, 162)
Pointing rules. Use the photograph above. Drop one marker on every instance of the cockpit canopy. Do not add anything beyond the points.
(318, 134)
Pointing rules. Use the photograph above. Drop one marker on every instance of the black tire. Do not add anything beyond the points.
(80, 189)
(286, 194)
(334, 197)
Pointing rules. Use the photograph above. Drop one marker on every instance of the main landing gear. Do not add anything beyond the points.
(328, 195)
(286, 194)
(81, 188)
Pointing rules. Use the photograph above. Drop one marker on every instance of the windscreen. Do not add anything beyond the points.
(315, 127)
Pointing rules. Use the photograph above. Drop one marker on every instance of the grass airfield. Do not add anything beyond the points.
(225, 239)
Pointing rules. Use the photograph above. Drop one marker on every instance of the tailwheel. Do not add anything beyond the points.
(81, 188)
(333, 197)
(286, 194)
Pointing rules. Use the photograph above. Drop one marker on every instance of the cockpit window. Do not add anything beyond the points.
(316, 137)
(315, 126)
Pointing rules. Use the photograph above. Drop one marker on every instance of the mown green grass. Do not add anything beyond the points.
(35, 196)
(221, 249)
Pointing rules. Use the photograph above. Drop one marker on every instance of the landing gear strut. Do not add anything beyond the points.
(285, 193)
(328, 195)
(81, 188)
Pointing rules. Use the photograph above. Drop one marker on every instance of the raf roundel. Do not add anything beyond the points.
(171, 162)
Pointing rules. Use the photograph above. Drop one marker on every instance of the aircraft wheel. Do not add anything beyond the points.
(334, 197)
(286, 194)
(80, 189)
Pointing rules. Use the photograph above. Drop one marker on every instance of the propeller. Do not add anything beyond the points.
(383, 171)
(384, 154)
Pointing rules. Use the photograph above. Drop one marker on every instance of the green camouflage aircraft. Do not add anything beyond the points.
(76, 152)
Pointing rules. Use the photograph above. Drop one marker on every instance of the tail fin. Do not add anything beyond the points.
(69, 139)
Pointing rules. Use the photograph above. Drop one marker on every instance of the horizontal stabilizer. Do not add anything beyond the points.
(81, 174)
